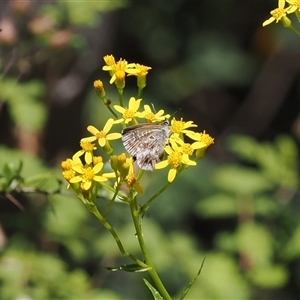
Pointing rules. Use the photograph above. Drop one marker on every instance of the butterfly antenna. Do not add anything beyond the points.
(176, 111)
(153, 107)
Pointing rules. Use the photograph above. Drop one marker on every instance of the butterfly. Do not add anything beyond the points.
(146, 143)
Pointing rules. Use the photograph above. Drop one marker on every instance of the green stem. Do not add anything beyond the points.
(107, 103)
(120, 93)
(294, 29)
(136, 220)
(139, 93)
(144, 207)
(92, 208)
(112, 201)
(111, 110)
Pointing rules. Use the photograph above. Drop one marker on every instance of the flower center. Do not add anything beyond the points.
(174, 159)
(128, 114)
(101, 134)
(88, 174)
(131, 179)
(66, 164)
(87, 146)
(206, 139)
(278, 13)
(187, 149)
(177, 126)
(68, 174)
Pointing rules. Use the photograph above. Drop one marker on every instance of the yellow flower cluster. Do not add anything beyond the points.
(280, 13)
(84, 170)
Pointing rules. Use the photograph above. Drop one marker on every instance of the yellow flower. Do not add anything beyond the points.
(129, 113)
(175, 159)
(131, 179)
(294, 7)
(87, 175)
(109, 60)
(120, 66)
(141, 75)
(153, 117)
(279, 14)
(143, 70)
(87, 150)
(102, 135)
(67, 165)
(99, 88)
(179, 127)
(204, 139)
(186, 149)
(295, 4)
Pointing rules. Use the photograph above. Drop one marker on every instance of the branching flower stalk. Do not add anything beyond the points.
(280, 13)
(84, 171)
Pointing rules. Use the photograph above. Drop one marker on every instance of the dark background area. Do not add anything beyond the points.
(212, 62)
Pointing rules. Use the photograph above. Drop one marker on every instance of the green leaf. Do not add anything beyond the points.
(256, 243)
(240, 180)
(24, 102)
(219, 205)
(271, 276)
(30, 115)
(186, 290)
(129, 268)
(154, 292)
(292, 247)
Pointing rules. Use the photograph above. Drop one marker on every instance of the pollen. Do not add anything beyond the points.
(206, 139)
(174, 159)
(187, 149)
(97, 160)
(177, 126)
(278, 13)
(87, 146)
(128, 114)
(98, 85)
(68, 174)
(88, 174)
(131, 179)
(66, 164)
(101, 134)
(120, 75)
(109, 60)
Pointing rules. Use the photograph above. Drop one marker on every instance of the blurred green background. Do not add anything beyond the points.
(213, 63)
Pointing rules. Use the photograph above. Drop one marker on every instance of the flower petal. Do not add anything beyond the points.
(161, 164)
(113, 136)
(102, 141)
(108, 125)
(100, 178)
(93, 130)
(172, 174)
(119, 108)
(269, 21)
(98, 168)
(88, 157)
(75, 179)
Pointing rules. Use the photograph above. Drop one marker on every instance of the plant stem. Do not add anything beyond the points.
(136, 220)
(144, 207)
(92, 208)
(120, 93)
(112, 201)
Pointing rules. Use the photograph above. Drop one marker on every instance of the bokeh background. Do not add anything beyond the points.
(213, 63)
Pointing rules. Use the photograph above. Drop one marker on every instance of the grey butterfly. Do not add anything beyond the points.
(146, 143)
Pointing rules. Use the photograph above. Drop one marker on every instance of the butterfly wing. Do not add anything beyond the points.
(145, 142)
